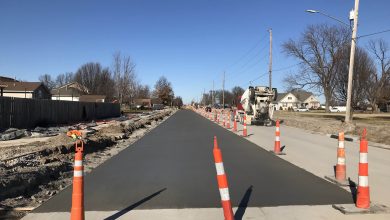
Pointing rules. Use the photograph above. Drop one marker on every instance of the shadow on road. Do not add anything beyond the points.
(243, 204)
(353, 188)
(133, 206)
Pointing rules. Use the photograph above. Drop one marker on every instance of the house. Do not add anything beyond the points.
(7, 79)
(69, 92)
(145, 103)
(92, 98)
(296, 99)
(28, 90)
(307, 99)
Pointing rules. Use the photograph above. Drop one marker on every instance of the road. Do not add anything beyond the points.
(172, 167)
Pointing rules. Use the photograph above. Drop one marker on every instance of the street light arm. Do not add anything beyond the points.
(329, 16)
(336, 19)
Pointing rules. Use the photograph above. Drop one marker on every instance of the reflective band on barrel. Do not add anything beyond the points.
(78, 173)
(78, 163)
(363, 158)
(277, 138)
(219, 167)
(224, 194)
(341, 144)
(363, 181)
(341, 160)
(277, 129)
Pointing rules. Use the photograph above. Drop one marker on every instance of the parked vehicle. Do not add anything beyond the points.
(158, 106)
(338, 109)
(208, 109)
(302, 109)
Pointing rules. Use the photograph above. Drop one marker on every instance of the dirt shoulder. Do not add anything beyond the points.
(332, 123)
(47, 164)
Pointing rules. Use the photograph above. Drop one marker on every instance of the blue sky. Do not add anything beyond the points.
(189, 42)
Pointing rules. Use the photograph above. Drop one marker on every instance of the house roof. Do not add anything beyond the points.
(63, 90)
(7, 79)
(22, 86)
(302, 95)
(280, 97)
(91, 98)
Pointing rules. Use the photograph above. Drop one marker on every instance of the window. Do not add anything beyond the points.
(289, 98)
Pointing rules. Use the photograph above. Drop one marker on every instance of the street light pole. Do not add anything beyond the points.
(348, 114)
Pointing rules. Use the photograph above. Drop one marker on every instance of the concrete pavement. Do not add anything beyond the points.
(172, 168)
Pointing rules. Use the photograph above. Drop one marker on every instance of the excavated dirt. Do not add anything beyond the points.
(376, 125)
(31, 174)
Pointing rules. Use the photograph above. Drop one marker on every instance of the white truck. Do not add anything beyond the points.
(257, 104)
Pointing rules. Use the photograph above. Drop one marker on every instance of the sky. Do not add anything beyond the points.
(190, 42)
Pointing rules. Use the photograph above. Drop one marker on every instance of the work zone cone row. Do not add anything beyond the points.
(222, 183)
(77, 211)
(363, 190)
(228, 120)
(341, 174)
(235, 122)
(244, 131)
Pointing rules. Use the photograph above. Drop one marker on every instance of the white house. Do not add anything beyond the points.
(69, 92)
(296, 99)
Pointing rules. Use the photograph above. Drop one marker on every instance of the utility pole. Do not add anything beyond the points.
(212, 95)
(270, 59)
(223, 90)
(204, 97)
(348, 117)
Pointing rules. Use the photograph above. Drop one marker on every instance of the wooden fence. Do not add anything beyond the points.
(29, 113)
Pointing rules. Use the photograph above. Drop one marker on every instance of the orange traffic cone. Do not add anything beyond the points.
(277, 149)
(341, 174)
(77, 211)
(363, 190)
(222, 183)
(235, 122)
(244, 131)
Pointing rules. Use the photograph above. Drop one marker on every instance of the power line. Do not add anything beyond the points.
(247, 53)
(367, 35)
(287, 67)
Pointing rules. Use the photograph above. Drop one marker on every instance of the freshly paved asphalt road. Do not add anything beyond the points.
(173, 167)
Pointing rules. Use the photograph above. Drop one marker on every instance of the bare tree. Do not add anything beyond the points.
(47, 81)
(142, 92)
(320, 50)
(178, 101)
(98, 80)
(64, 78)
(363, 69)
(124, 77)
(237, 91)
(163, 90)
(380, 79)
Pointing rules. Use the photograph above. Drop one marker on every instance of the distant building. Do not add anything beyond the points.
(7, 79)
(143, 103)
(156, 101)
(296, 99)
(92, 98)
(69, 92)
(28, 90)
